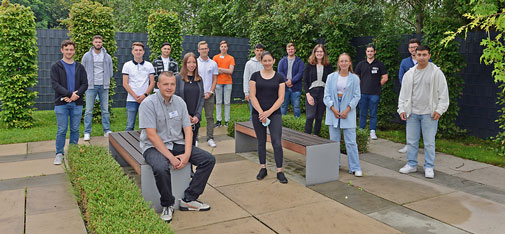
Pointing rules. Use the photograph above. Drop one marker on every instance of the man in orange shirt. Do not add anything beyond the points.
(225, 65)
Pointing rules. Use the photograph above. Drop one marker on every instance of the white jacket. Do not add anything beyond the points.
(252, 66)
(439, 98)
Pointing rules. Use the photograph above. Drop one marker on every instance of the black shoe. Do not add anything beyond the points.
(261, 174)
(226, 124)
(218, 124)
(282, 178)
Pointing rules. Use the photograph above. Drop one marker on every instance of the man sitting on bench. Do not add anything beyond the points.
(162, 117)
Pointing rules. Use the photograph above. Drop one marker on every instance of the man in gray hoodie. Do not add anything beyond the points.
(252, 66)
(98, 65)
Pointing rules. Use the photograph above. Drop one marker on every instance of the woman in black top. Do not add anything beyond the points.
(190, 88)
(314, 78)
(266, 94)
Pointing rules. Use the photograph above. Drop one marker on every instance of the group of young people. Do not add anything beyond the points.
(170, 101)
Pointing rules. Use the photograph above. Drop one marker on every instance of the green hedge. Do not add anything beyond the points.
(298, 124)
(110, 201)
(164, 26)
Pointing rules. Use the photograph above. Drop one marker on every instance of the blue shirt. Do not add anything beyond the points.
(70, 70)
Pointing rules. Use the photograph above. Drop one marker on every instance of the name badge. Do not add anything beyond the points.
(173, 114)
(374, 70)
(221, 56)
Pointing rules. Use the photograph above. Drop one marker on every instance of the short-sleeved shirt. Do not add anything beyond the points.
(224, 62)
(168, 120)
(267, 91)
(138, 77)
(207, 69)
(370, 75)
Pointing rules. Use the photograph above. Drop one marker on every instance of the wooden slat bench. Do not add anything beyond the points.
(125, 148)
(321, 160)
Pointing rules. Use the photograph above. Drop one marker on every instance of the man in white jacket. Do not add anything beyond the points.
(252, 66)
(424, 97)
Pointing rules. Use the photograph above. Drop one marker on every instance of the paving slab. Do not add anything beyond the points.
(244, 225)
(491, 175)
(468, 212)
(226, 146)
(235, 173)
(353, 197)
(99, 141)
(64, 221)
(222, 209)
(12, 203)
(13, 149)
(49, 199)
(392, 185)
(29, 168)
(408, 221)
(452, 165)
(224, 158)
(267, 195)
(21, 157)
(217, 131)
(323, 217)
(47, 146)
(35, 181)
(387, 148)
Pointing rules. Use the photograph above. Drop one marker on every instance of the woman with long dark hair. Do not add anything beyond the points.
(266, 94)
(190, 88)
(314, 78)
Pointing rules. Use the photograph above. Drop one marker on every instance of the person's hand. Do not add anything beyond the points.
(140, 98)
(208, 95)
(66, 99)
(247, 98)
(310, 99)
(435, 116)
(344, 114)
(264, 115)
(74, 96)
(289, 83)
(403, 116)
(184, 160)
(175, 162)
(336, 113)
(194, 119)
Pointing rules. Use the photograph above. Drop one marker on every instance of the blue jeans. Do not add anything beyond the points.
(132, 109)
(220, 88)
(366, 102)
(63, 113)
(350, 146)
(415, 125)
(294, 98)
(103, 96)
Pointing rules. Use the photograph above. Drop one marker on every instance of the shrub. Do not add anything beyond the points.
(86, 20)
(164, 26)
(298, 124)
(18, 64)
(110, 201)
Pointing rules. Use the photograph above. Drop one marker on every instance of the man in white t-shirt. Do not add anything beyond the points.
(207, 69)
(138, 81)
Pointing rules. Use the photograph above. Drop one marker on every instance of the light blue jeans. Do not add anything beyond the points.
(103, 96)
(220, 88)
(415, 125)
(294, 98)
(63, 114)
(350, 146)
(132, 109)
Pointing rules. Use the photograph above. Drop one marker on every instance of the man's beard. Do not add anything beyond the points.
(98, 48)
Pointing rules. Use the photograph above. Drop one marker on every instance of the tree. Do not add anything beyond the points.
(47, 12)
(164, 26)
(18, 64)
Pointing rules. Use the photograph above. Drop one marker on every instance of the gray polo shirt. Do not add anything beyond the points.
(168, 119)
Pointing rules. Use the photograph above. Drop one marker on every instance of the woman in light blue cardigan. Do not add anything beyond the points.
(341, 95)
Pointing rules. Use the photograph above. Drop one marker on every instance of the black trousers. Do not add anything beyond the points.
(275, 128)
(315, 112)
(203, 160)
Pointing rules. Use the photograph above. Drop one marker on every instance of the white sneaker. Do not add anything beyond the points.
(403, 150)
(358, 173)
(87, 137)
(106, 134)
(211, 143)
(407, 169)
(372, 135)
(166, 214)
(196, 143)
(193, 205)
(428, 173)
(58, 160)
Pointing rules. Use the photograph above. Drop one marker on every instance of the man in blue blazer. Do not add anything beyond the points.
(291, 67)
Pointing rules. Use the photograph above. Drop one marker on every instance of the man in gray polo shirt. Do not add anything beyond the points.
(162, 118)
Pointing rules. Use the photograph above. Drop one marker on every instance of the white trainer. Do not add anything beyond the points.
(407, 169)
(372, 135)
(403, 150)
(428, 173)
(87, 137)
(196, 143)
(211, 143)
(358, 173)
(166, 214)
(58, 159)
(106, 134)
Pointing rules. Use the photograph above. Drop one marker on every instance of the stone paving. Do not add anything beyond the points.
(464, 196)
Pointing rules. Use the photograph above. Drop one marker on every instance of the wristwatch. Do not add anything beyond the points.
(145, 94)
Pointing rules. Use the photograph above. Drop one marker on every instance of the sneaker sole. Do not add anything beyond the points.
(192, 209)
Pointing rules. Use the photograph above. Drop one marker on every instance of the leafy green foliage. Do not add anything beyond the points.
(47, 12)
(164, 26)
(86, 20)
(18, 64)
(110, 201)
